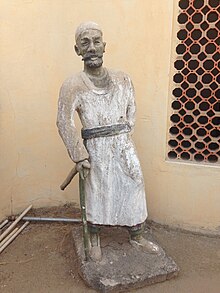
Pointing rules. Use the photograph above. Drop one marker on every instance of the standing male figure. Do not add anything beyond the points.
(104, 101)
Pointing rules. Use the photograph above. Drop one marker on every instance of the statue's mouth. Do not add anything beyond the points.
(91, 57)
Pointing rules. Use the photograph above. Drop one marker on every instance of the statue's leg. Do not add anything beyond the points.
(137, 239)
(95, 249)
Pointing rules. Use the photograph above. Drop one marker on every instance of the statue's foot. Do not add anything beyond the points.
(145, 245)
(95, 253)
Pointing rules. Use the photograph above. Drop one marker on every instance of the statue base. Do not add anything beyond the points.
(123, 267)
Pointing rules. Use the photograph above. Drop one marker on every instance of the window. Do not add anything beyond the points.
(194, 132)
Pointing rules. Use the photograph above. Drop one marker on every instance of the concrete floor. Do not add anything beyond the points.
(41, 260)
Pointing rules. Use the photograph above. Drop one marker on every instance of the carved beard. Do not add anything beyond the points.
(94, 63)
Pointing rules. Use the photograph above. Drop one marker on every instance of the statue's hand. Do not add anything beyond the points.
(83, 168)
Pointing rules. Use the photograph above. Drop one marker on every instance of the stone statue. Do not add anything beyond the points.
(107, 159)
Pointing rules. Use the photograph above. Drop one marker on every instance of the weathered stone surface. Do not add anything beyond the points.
(122, 267)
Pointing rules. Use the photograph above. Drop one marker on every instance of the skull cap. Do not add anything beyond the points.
(86, 26)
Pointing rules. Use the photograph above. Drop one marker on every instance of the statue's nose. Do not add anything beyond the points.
(91, 47)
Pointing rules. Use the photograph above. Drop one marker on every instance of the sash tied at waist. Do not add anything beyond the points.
(103, 131)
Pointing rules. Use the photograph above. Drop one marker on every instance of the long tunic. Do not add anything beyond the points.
(114, 188)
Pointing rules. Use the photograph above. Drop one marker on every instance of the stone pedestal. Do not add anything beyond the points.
(122, 267)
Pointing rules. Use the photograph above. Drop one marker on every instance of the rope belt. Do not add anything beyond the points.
(104, 131)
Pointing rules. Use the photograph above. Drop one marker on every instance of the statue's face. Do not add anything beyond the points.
(91, 47)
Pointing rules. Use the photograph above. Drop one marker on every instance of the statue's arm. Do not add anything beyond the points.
(131, 107)
(65, 122)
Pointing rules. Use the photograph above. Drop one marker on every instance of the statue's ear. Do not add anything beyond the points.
(77, 50)
(104, 43)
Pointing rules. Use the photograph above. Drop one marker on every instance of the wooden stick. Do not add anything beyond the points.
(13, 236)
(11, 227)
(3, 223)
(69, 178)
(8, 237)
(84, 220)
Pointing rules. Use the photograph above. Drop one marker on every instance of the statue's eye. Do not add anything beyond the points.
(97, 42)
(84, 42)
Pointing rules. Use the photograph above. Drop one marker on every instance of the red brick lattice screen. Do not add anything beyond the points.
(194, 134)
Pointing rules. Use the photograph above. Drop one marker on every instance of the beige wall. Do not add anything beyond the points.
(36, 55)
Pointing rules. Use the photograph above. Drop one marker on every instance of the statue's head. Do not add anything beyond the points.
(89, 44)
